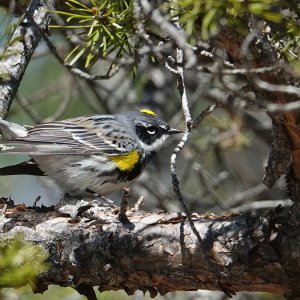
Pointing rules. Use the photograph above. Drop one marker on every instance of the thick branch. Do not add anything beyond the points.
(157, 252)
(20, 47)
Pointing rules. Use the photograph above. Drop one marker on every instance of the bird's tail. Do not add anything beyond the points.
(25, 168)
(12, 130)
(10, 143)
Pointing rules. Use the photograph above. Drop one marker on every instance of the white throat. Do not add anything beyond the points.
(156, 145)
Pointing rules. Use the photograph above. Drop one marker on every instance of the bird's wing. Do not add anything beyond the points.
(94, 135)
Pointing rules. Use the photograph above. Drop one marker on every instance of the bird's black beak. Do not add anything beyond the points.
(174, 131)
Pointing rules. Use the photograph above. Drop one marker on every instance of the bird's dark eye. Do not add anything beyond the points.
(151, 130)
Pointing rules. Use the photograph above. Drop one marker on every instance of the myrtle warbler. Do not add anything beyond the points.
(96, 154)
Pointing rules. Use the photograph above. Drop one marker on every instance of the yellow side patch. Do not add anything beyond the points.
(126, 162)
(148, 112)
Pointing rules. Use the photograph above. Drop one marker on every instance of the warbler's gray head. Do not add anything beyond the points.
(151, 130)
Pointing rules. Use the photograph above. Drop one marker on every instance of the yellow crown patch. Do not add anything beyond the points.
(148, 112)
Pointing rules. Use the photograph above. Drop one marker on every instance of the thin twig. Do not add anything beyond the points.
(138, 204)
(282, 107)
(282, 88)
(243, 196)
(28, 108)
(141, 32)
(238, 71)
(188, 122)
(77, 71)
(50, 89)
(175, 32)
(262, 204)
(210, 109)
(70, 93)
(124, 205)
(89, 76)
(208, 187)
(215, 184)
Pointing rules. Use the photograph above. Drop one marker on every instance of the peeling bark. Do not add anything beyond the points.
(158, 252)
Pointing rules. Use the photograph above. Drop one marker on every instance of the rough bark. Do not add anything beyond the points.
(158, 252)
(20, 47)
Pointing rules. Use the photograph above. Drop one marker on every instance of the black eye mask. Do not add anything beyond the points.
(148, 135)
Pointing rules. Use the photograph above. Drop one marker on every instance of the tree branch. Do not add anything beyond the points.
(155, 252)
(20, 48)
